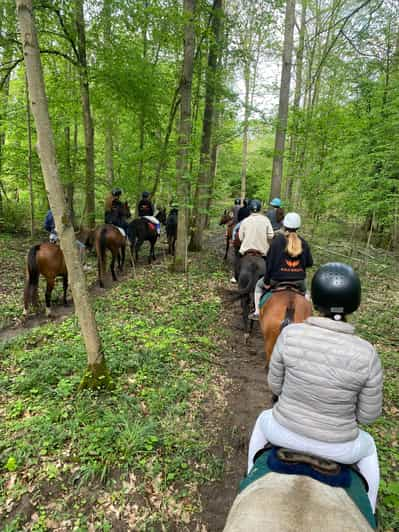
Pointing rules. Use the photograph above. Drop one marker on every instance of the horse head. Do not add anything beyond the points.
(225, 218)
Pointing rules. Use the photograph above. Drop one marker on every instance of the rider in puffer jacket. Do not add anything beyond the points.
(327, 381)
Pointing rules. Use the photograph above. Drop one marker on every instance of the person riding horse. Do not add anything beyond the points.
(115, 210)
(275, 214)
(289, 257)
(145, 210)
(327, 380)
(236, 209)
(49, 225)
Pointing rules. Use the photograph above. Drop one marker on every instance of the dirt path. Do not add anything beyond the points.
(247, 395)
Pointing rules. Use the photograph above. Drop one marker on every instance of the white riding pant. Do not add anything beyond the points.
(361, 451)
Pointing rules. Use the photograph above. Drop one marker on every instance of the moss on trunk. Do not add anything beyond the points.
(96, 377)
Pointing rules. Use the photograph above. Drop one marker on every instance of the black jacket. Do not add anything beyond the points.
(243, 213)
(282, 267)
(145, 208)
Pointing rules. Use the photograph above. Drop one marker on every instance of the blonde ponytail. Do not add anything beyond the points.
(294, 244)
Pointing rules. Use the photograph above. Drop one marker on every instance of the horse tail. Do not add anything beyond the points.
(242, 292)
(132, 233)
(289, 311)
(32, 278)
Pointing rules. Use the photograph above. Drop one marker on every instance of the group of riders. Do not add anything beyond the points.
(325, 379)
(113, 214)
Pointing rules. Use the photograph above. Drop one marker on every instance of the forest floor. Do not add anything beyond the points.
(166, 449)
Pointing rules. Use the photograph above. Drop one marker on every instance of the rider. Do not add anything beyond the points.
(288, 258)
(236, 208)
(244, 212)
(327, 381)
(275, 214)
(255, 231)
(145, 209)
(49, 225)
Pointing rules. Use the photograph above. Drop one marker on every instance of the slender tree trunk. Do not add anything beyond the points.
(97, 374)
(279, 145)
(204, 177)
(30, 173)
(87, 118)
(247, 74)
(297, 101)
(69, 184)
(109, 130)
(182, 162)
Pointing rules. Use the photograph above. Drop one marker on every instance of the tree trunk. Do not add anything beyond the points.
(109, 139)
(87, 118)
(96, 375)
(279, 144)
(182, 162)
(297, 101)
(204, 177)
(30, 176)
(247, 73)
(69, 184)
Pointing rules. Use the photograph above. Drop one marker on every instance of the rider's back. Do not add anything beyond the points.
(327, 378)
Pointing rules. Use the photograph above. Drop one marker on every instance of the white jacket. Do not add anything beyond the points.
(328, 380)
(255, 232)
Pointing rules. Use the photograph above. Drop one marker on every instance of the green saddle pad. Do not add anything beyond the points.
(355, 491)
(265, 298)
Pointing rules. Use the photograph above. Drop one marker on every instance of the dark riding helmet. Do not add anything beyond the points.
(336, 289)
(116, 191)
(237, 201)
(145, 195)
(255, 205)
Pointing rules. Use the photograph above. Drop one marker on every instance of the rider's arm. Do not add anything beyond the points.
(269, 231)
(241, 232)
(276, 374)
(308, 256)
(369, 401)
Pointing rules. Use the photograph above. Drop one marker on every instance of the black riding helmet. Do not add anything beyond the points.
(116, 191)
(237, 201)
(255, 205)
(145, 195)
(336, 289)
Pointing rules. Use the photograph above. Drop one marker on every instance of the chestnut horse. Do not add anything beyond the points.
(109, 237)
(228, 220)
(285, 306)
(46, 259)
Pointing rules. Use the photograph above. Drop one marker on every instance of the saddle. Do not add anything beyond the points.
(288, 285)
(253, 253)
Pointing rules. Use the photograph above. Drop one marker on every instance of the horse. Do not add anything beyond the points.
(46, 259)
(279, 502)
(109, 236)
(250, 268)
(171, 230)
(286, 305)
(140, 230)
(161, 216)
(228, 220)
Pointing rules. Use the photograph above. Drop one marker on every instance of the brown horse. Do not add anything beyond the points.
(46, 259)
(285, 306)
(109, 237)
(228, 220)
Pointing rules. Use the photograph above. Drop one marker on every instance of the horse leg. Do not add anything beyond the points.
(114, 277)
(49, 289)
(152, 250)
(123, 255)
(139, 243)
(65, 286)
(227, 248)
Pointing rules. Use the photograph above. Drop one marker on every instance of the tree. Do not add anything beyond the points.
(97, 375)
(203, 188)
(182, 162)
(277, 172)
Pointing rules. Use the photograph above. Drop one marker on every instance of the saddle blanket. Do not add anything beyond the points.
(122, 231)
(155, 222)
(265, 298)
(350, 481)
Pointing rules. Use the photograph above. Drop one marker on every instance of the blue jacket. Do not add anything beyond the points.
(49, 223)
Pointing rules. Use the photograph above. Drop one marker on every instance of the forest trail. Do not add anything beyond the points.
(247, 395)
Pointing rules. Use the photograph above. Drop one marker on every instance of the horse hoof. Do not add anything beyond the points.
(246, 338)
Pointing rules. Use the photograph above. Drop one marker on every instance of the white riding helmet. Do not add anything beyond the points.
(292, 220)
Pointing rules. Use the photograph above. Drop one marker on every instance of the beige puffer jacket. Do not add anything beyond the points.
(328, 380)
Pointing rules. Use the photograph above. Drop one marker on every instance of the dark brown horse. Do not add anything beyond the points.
(285, 306)
(46, 259)
(138, 232)
(109, 237)
(228, 220)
